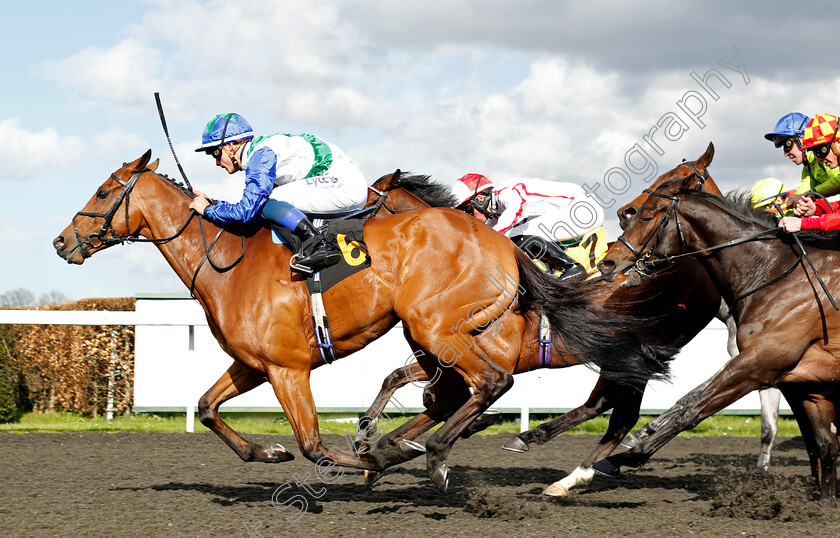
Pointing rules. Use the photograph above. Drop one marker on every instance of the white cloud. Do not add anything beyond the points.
(117, 141)
(127, 73)
(27, 154)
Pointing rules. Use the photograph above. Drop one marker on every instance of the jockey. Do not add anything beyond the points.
(815, 176)
(821, 139)
(285, 177)
(536, 214)
(768, 192)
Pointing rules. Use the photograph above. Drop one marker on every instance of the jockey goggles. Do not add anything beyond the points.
(787, 142)
(483, 206)
(822, 151)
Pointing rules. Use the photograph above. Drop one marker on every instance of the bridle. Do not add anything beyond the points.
(103, 238)
(383, 196)
(644, 264)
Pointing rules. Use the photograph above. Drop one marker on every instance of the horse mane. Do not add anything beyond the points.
(431, 192)
(739, 202)
(177, 184)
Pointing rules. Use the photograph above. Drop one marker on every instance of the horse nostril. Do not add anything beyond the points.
(58, 242)
(606, 266)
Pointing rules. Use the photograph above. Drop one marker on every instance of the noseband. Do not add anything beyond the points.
(107, 226)
(643, 262)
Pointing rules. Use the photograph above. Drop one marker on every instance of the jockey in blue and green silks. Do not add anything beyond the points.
(286, 178)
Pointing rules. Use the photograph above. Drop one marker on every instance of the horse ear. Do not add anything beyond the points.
(395, 178)
(140, 164)
(706, 159)
(153, 165)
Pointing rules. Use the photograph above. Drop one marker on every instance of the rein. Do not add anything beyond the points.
(383, 195)
(116, 239)
(644, 264)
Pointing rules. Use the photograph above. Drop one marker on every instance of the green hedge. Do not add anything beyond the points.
(8, 409)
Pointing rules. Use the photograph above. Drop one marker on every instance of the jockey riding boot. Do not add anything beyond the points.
(551, 254)
(314, 253)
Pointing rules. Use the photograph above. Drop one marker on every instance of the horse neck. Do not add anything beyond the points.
(165, 210)
(402, 200)
(705, 225)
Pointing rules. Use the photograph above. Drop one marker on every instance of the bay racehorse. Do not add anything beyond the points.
(769, 397)
(445, 276)
(788, 333)
(681, 312)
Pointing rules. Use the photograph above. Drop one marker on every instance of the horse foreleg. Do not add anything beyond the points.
(623, 418)
(737, 379)
(654, 425)
(770, 399)
(291, 386)
(238, 379)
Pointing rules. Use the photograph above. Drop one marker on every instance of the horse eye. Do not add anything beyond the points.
(102, 194)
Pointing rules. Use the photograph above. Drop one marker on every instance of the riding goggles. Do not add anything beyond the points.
(787, 142)
(822, 151)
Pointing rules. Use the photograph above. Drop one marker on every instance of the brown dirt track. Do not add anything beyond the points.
(166, 484)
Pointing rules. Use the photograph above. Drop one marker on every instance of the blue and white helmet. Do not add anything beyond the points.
(225, 127)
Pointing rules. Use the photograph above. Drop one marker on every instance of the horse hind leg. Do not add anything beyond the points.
(600, 400)
(369, 423)
(488, 382)
(770, 399)
(238, 379)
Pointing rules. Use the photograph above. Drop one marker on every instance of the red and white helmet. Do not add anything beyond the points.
(468, 186)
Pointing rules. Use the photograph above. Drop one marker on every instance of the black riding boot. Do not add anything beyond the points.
(551, 254)
(314, 253)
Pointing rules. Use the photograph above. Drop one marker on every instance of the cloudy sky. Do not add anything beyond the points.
(605, 94)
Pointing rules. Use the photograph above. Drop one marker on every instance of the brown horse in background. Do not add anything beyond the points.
(787, 336)
(444, 275)
(681, 312)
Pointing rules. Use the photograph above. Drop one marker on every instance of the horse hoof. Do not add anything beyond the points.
(556, 490)
(440, 478)
(606, 468)
(516, 445)
(276, 453)
(371, 477)
(410, 449)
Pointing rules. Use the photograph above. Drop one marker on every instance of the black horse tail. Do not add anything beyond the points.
(593, 335)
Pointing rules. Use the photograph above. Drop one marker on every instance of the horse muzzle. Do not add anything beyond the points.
(71, 252)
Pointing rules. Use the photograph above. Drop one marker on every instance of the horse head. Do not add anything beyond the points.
(698, 172)
(654, 228)
(108, 218)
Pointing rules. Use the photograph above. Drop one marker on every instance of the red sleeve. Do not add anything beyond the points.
(826, 223)
(823, 208)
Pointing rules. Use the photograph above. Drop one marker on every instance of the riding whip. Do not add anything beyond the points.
(166, 132)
